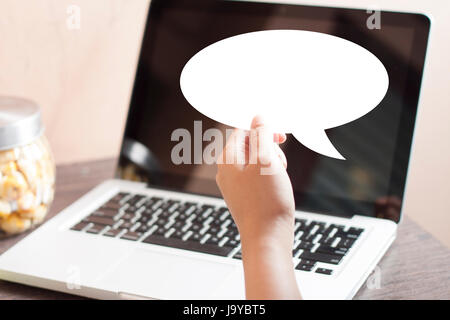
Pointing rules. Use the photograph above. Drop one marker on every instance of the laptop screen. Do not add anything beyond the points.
(376, 146)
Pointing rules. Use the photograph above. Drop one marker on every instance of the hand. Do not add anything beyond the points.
(259, 194)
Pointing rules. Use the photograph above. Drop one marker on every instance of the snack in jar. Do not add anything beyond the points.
(27, 168)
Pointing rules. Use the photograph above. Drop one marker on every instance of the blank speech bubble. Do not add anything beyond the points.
(302, 82)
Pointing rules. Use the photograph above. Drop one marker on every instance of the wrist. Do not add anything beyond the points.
(276, 235)
(266, 246)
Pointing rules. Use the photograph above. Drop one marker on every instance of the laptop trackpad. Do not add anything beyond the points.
(144, 273)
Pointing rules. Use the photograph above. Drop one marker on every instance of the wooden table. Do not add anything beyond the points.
(417, 266)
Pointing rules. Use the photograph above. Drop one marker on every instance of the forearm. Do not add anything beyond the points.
(269, 270)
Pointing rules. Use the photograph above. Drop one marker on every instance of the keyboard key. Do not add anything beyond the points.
(327, 240)
(131, 236)
(126, 225)
(169, 232)
(195, 236)
(144, 219)
(112, 232)
(232, 243)
(131, 209)
(231, 233)
(315, 227)
(107, 221)
(135, 200)
(346, 243)
(327, 230)
(216, 214)
(112, 205)
(148, 212)
(238, 255)
(213, 240)
(331, 250)
(308, 262)
(205, 238)
(127, 216)
(321, 257)
(108, 213)
(95, 229)
(143, 228)
(178, 234)
(214, 230)
(307, 237)
(165, 214)
(304, 267)
(173, 207)
(178, 225)
(305, 246)
(224, 215)
(119, 196)
(160, 232)
(156, 205)
(354, 230)
(166, 205)
(125, 198)
(223, 241)
(80, 226)
(324, 271)
(188, 245)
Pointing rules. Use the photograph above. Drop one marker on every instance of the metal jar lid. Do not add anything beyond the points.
(20, 122)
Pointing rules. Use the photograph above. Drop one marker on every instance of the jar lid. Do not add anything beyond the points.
(20, 122)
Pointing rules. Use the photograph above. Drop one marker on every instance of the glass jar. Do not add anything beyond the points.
(27, 168)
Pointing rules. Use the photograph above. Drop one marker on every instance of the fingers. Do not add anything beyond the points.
(261, 143)
(235, 149)
(258, 122)
(259, 146)
(279, 138)
(267, 151)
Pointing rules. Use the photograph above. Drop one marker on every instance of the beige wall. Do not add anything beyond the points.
(82, 79)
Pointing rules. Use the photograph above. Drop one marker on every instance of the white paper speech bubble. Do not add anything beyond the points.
(302, 82)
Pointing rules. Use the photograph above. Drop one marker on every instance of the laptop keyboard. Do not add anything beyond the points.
(210, 229)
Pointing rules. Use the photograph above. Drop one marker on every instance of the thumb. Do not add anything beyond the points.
(261, 142)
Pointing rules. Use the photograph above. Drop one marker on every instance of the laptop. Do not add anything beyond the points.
(160, 229)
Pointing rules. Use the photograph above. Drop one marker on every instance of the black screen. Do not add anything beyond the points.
(377, 146)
